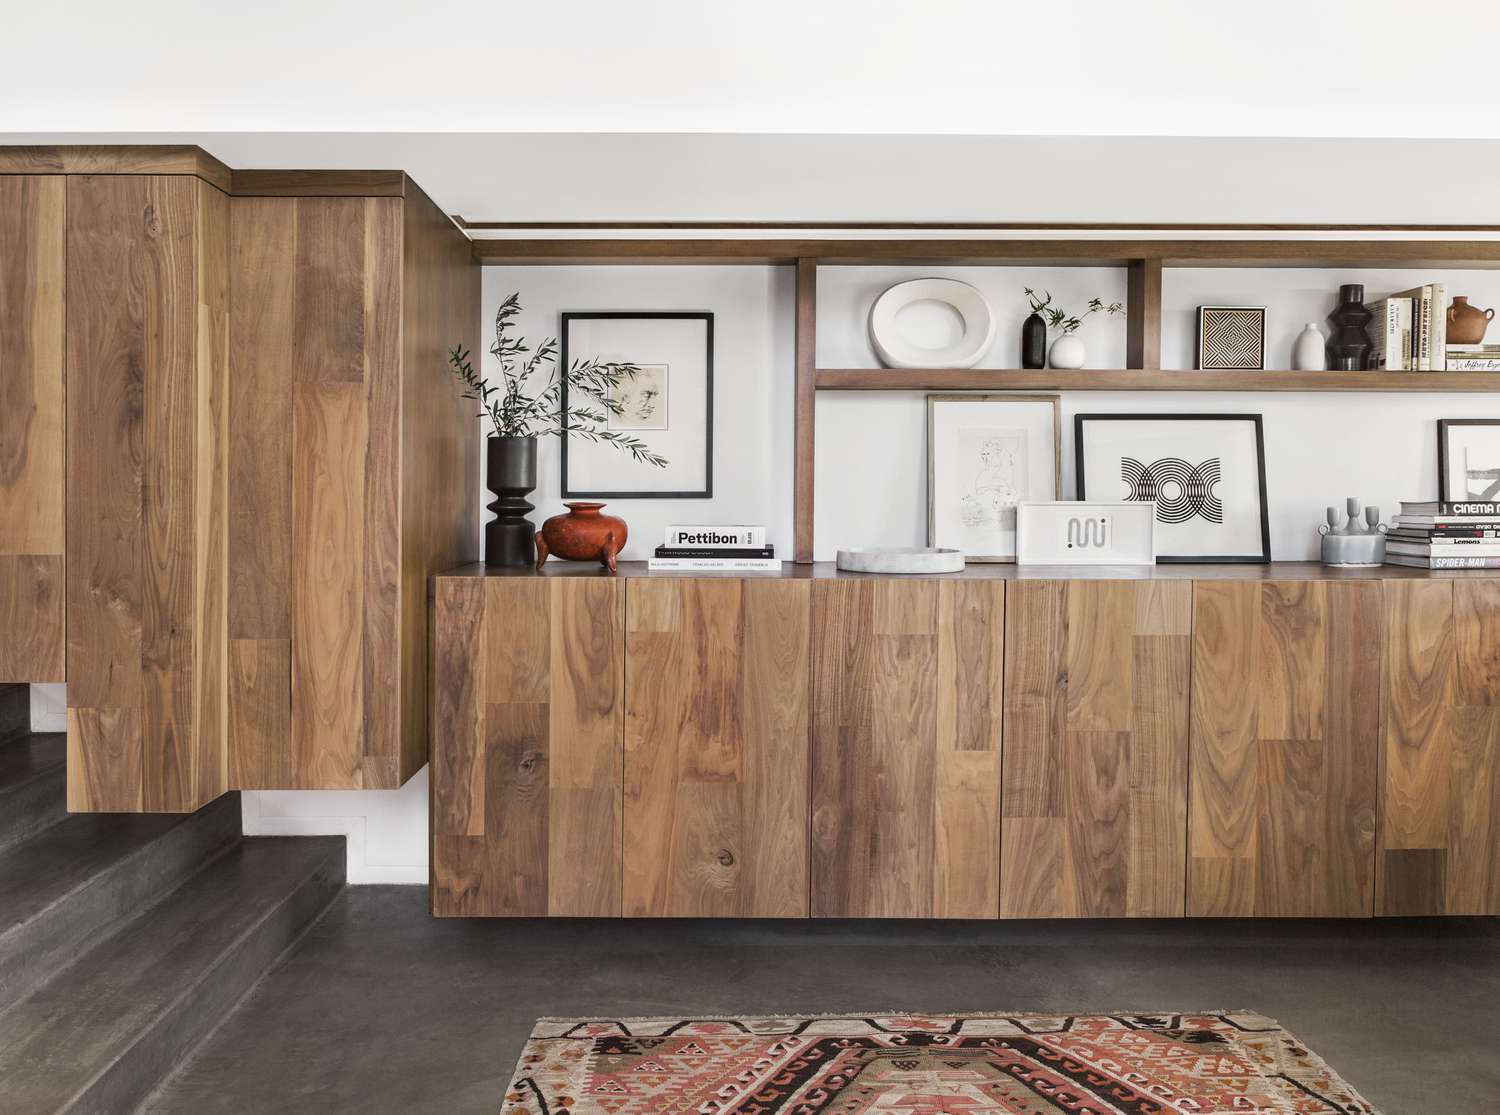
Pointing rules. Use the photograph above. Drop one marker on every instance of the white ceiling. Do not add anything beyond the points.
(1063, 67)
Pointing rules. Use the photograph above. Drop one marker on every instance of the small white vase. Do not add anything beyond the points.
(1310, 352)
(1067, 352)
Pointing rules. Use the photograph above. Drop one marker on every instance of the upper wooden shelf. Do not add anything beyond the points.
(1084, 252)
(1134, 379)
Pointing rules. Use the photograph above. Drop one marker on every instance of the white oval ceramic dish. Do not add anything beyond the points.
(897, 348)
(901, 560)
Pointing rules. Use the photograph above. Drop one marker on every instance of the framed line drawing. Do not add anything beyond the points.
(1205, 472)
(985, 455)
(669, 404)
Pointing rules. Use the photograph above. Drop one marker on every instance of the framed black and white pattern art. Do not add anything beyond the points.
(1206, 472)
(668, 404)
(1469, 460)
(1231, 338)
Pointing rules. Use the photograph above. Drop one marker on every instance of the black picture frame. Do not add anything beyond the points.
(1264, 557)
(570, 316)
(1443, 425)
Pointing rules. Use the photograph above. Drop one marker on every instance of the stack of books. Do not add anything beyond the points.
(1441, 534)
(1472, 358)
(707, 549)
(1409, 330)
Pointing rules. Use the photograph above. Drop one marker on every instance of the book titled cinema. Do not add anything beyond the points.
(716, 537)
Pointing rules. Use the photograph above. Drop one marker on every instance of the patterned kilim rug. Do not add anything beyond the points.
(1017, 1064)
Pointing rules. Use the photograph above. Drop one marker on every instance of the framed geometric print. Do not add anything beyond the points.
(1231, 338)
(1469, 460)
(668, 404)
(1206, 472)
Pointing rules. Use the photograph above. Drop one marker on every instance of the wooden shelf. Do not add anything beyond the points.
(1134, 379)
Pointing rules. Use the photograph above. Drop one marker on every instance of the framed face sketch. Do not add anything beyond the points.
(1469, 460)
(1205, 472)
(986, 454)
(668, 404)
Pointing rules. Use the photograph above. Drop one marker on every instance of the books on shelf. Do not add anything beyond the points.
(1409, 330)
(1472, 358)
(710, 549)
(1443, 562)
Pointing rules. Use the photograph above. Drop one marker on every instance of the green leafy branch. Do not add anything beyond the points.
(528, 401)
(1059, 320)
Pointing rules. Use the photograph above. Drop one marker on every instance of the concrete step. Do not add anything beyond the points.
(15, 711)
(66, 887)
(104, 1032)
(33, 785)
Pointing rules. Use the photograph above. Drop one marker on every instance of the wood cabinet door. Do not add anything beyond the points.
(716, 738)
(527, 723)
(1440, 792)
(1285, 742)
(1094, 800)
(906, 747)
(32, 252)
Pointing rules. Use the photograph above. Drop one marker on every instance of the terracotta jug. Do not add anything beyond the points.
(582, 535)
(1466, 323)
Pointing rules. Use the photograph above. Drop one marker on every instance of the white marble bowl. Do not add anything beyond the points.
(901, 560)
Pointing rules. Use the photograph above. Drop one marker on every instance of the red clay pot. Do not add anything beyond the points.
(582, 535)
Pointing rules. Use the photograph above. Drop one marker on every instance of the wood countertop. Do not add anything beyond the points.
(1000, 571)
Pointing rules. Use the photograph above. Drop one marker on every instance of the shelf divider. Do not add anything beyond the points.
(1142, 379)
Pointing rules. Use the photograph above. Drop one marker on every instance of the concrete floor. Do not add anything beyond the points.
(383, 1009)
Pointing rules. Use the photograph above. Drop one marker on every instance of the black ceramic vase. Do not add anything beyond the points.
(1348, 343)
(1034, 342)
(511, 474)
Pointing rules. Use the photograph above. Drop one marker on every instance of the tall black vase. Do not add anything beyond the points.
(511, 475)
(1034, 342)
(1348, 343)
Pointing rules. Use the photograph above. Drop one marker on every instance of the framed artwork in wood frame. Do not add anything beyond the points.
(1206, 473)
(985, 455)
(669, 405)
(1469, 460)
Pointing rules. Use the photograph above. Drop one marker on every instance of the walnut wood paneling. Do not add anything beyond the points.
(716, 748)
(32, 247)
(355, 469)
(906, 748)
(1440, 795)
(146, 384)
(528, 712)
(1093, 809)
(141, 159)
(1285, 731)
(439, 442)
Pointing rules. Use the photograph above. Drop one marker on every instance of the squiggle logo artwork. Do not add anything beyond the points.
(1180, 490)
(1088, 534)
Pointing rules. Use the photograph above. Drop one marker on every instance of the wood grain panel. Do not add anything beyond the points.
(528, 710)
(439, 441)
(716, 748)
(342, 520)
(32, 325)
(905, 783)
(1093, 815)
(146, 351)
(330, 440)
(1285, 729)
(1440, 790)
(260, 714)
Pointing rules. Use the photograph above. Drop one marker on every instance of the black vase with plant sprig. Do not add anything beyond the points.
(526, 404)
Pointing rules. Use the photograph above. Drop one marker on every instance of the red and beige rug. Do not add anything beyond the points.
(1016, 1064)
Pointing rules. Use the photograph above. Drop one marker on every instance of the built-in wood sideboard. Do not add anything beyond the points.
(230, 456)
(1279, 740)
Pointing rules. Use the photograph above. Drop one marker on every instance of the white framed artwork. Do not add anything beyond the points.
(985, 455)
(1074, 533)
(1205, 473)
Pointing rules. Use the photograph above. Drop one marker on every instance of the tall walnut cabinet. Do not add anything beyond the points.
(1188, 742)
(230, 456)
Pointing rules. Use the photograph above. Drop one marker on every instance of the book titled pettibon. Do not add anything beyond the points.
(735, 537)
